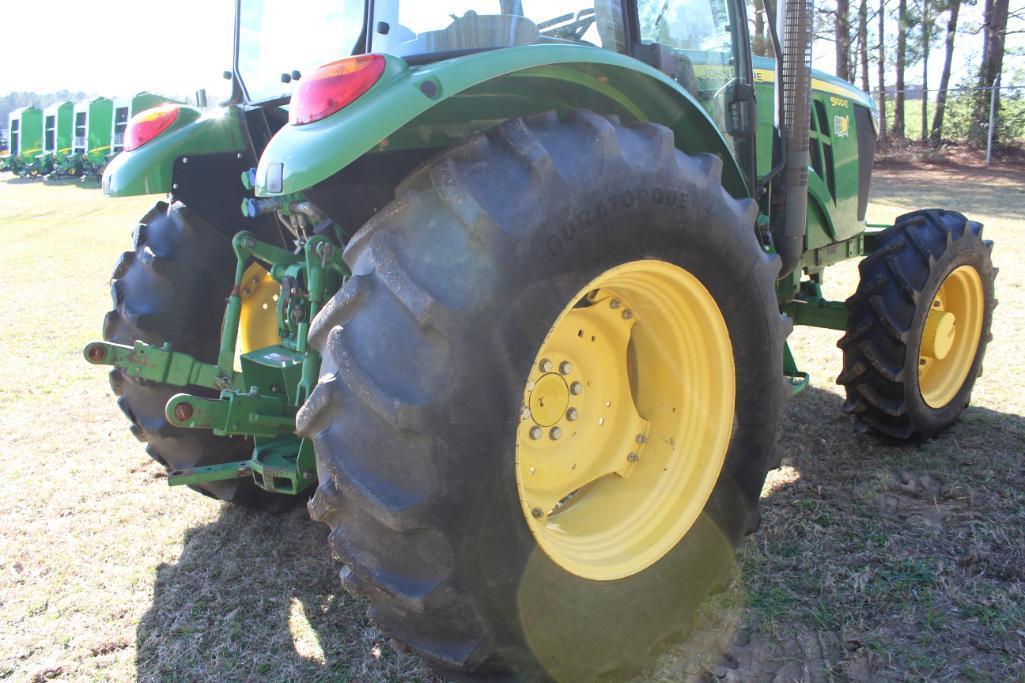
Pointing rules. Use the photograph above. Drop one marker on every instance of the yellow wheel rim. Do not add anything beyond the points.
(951, 336)
(258, 322)
(627, 415)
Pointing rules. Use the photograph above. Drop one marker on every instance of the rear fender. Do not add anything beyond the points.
(440, 104)
(149, 169)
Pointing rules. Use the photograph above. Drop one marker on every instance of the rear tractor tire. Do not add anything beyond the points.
(171, 288)
(549, 398)
(918, 325)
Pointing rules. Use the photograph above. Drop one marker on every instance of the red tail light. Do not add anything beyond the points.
(148, 124)
(334, 86)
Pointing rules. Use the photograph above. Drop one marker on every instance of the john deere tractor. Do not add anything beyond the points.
(90, 144)
(58, 120)
(503, 289)
(26, 131)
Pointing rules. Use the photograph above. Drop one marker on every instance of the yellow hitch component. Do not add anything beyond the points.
(626, 419)
(953, 329)
(258, 323)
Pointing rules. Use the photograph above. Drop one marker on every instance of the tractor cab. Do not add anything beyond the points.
(702, 44)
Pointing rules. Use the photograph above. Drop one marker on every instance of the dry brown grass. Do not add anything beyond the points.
(874, 561)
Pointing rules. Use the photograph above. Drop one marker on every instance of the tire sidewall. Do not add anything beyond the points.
(568, 622)
(967, 251)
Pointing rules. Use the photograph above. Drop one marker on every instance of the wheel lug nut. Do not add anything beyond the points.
(535, 433)
(545, 365)
(555, 433)
(576, 388)
(537, 513)
(633, 457)
(565, 367)
(615, 303)
(627, 314)
(572, 414)
(641, 438)
(525, 414)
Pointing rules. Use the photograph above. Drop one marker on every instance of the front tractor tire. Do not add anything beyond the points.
(918, 325)
(549, 398)
(171, 287)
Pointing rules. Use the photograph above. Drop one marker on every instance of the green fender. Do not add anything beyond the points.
(147, 170)
(444, 102)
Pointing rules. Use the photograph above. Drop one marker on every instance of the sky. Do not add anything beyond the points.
(174, 47)
(116, 47)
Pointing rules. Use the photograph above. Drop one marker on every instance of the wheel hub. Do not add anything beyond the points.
(258, 322)
(549, 400)
(939, 334)
(953, 329)
(626, 417)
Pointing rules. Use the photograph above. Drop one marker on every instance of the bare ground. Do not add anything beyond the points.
(874, 561)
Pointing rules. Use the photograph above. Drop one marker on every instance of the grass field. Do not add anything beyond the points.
(873, 561)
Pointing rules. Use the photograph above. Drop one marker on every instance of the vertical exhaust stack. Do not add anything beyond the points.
(793, 88)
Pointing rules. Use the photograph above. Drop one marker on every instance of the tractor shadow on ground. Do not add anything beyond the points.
(256, 596)
(869, 560)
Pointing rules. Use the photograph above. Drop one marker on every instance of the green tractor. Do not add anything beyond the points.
(26, 138)
(90, 144)
(57, 125)
(508, 286)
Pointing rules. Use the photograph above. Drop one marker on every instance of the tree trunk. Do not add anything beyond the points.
(941, 97)
(761, 43)
(926, 38)
(843, 40)
(995, 28)
(863, 43)
(902, 51)
(882, 69)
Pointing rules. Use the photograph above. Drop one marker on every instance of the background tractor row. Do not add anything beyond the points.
(503, 289)
(67, 140)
